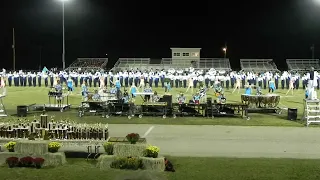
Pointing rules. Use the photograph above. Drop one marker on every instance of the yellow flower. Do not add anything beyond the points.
(10, 145)
(153, 149)
(54, 145)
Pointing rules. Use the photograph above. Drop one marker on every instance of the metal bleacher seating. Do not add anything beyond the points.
(203, 63)
(301, 65)
(220, 64)
(88, 64)
(258, 65)
(131, 63)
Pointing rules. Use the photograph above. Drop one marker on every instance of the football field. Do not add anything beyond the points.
(39, 95)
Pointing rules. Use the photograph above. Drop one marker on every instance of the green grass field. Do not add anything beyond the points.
(30, 95)
(188, 168)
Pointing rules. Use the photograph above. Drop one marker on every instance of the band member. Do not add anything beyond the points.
(221, 98)
(126, 97)
(203, 93)
(141, 85)
(70, 85)
(306, 93)
(58, 89)
(190, 85)
(259, 91)
(133, 90)
(84, 91)
(155, 97)
(291, 86)
(237, 85)
(118, 84)
(217, 89)
(312, 83)
(147, 90)
(96, 96)
(196, 98)
(272, 86)
(248, 90)
(167, 86)
(2, 86)
(181, 99)
(113, 90)
(102, 81)
(2, 83)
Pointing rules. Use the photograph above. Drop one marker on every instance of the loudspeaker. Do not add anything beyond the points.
(292, 114)
(22, 111)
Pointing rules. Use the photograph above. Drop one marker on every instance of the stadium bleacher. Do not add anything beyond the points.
(302, 65)
(258, 65)
(167, 63)
(131, 63)
(85, 64)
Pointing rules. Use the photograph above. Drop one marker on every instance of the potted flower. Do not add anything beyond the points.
(108, 147)
(38, 162)
(12, 162)
(152, 151)
(26, 161)
(133, 138)
(10, 146)
(53, 147)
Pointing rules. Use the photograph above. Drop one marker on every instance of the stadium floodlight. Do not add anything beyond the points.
(63, 38)
(224, 52)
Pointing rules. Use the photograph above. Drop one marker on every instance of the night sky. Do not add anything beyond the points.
(252, 29)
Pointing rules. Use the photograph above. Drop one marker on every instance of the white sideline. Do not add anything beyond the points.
(148, 131)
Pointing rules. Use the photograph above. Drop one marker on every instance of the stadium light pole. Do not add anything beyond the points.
(63, 38)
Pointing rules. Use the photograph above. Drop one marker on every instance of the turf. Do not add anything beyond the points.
(187, 168)
(30, 95)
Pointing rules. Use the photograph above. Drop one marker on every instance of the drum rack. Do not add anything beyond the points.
(261, 104)
(117, 107)
(222, 110)
(189, 109)
(154, 109)
(93, 107)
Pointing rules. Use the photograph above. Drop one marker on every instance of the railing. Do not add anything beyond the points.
(258, 65)
(303, 64)
(131, 63)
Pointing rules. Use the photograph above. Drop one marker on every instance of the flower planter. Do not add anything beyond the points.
(11, 150)
(53, 150)
(38, 166)
(11, 165)
(154, 155)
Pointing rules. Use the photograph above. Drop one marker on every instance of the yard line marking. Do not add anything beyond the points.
(148, 131)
